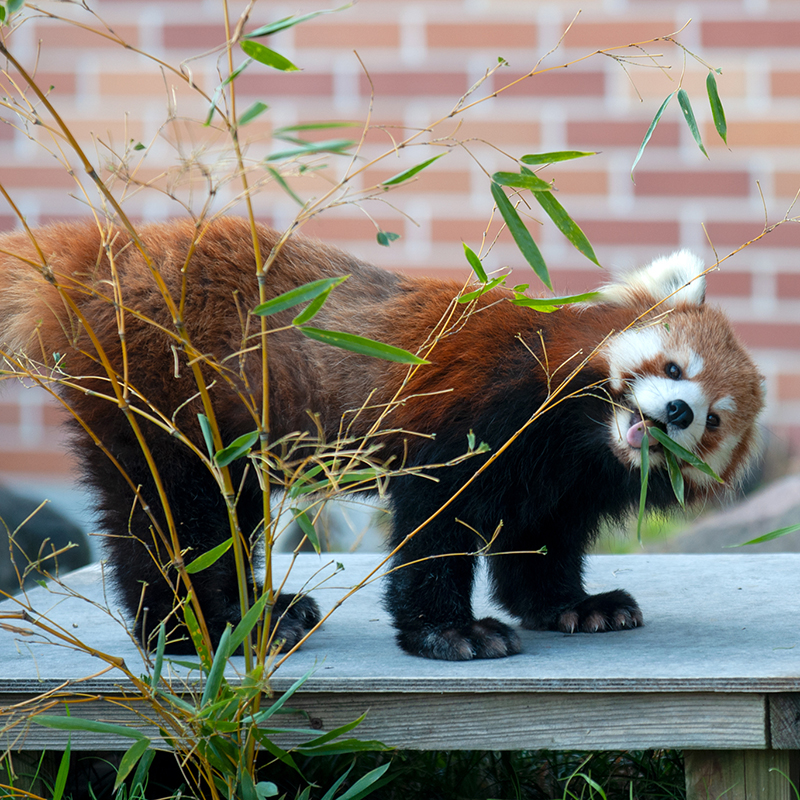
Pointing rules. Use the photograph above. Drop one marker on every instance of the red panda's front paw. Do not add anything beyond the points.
(610, 611)
(482, 638)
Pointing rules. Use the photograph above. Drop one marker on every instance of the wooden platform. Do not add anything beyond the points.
(715, 670)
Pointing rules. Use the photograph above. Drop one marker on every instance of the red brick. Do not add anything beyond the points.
(787, 184)
(557, 83)
(658, 233)
(328, 227)
(577, 281)
(785, 83)
(195, 38)
(684, 183)
(481, 35)
(604, 134)
(265, 83)
(63, 83)
(571, 181)
(469, 229)
(779, 335)
(734, 234)
(55, 177)
(415, 84)
(788, 285)
(729, 284)
(789, 387)
(43, 462)
(346, 36)
(750, 33)
(429, 180)
(605, 35)
(76, 39)
(6, 129)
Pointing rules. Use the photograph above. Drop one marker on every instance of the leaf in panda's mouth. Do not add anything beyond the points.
(683, 453)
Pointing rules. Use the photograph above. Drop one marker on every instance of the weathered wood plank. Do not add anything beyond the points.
(492, 721)
(784, 721)
(741, 774)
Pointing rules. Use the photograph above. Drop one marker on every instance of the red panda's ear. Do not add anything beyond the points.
(670, 280)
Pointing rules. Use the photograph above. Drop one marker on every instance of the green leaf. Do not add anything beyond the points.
(247, 623)
(308, 291)
(218, 91)
(2, 14)
(254, 111)
(767, 537)
(307, 526)
(359, 344)
(552, 158)
(566, 225)
(522, 181)
(139, 146)
(717, 111)
(266, 713)
(264, 55)
(385, 238)
(470, 296)
(196, 635)
(335, 146)
(315, 126)
(14, 6)
(364, 783)
(161, 642)
(650, 130)
(686, 107)
(645, 478)
(683, 453)
(239, 447)
(521, 235)
(475, 263)
(410, 173)
(130, 759)
(285, 186)
(217, 671)
(675, 477)
(140, 776)
(289, 22)
(547, 303)
(312, 309)
(63, 772)
(266, 789)
(208, 436)
(90, 725)
(208, 558)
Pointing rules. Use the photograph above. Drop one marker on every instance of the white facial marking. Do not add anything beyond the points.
(652, 395)
(629, 350)
(694, 366)
(727, 403)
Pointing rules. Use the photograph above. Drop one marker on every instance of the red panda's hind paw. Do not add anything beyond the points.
(295, 617)
(482, 638)
(610, 611)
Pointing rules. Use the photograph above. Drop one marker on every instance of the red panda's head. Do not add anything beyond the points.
(681, 368)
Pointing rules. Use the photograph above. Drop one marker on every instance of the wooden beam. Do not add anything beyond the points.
(741, 774)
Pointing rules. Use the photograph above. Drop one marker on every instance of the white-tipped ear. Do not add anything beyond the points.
(676, 279)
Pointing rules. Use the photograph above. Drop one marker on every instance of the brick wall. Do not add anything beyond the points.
(420, 58)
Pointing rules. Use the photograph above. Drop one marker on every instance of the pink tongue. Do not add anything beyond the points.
(636, 434)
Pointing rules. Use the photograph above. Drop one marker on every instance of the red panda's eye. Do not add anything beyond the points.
(673, 371)
(712, 421)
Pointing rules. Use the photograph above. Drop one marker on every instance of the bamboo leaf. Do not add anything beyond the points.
(650, 130)
(767, 537)
(161, 642)
(218, 91)
(475, 263)
(285, 186)
(362, 345)
(289, 22)
(645, 478)
(130, 759)
(717, 111)
(63, 771)
(683, 453)
(264, 55)
(217, 671)
(307, 526)
(364, 783)
(470, 296)
(315, 126)
(552, 158)
(566, 224)
(548, 303)
(247, 622)
(208, 558)
(688, 113)
(385, 238)
(522, 180)
(239, 447)
(410, 173)
(87, 725)
(254, 111)
(675, 477)
(208, 436)
(196, 635)
(521, 235)
(308, 291)
(335, 146)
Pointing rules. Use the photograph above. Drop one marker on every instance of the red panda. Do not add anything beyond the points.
(655, 356)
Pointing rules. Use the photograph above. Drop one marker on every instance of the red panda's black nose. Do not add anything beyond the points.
(679, 413)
